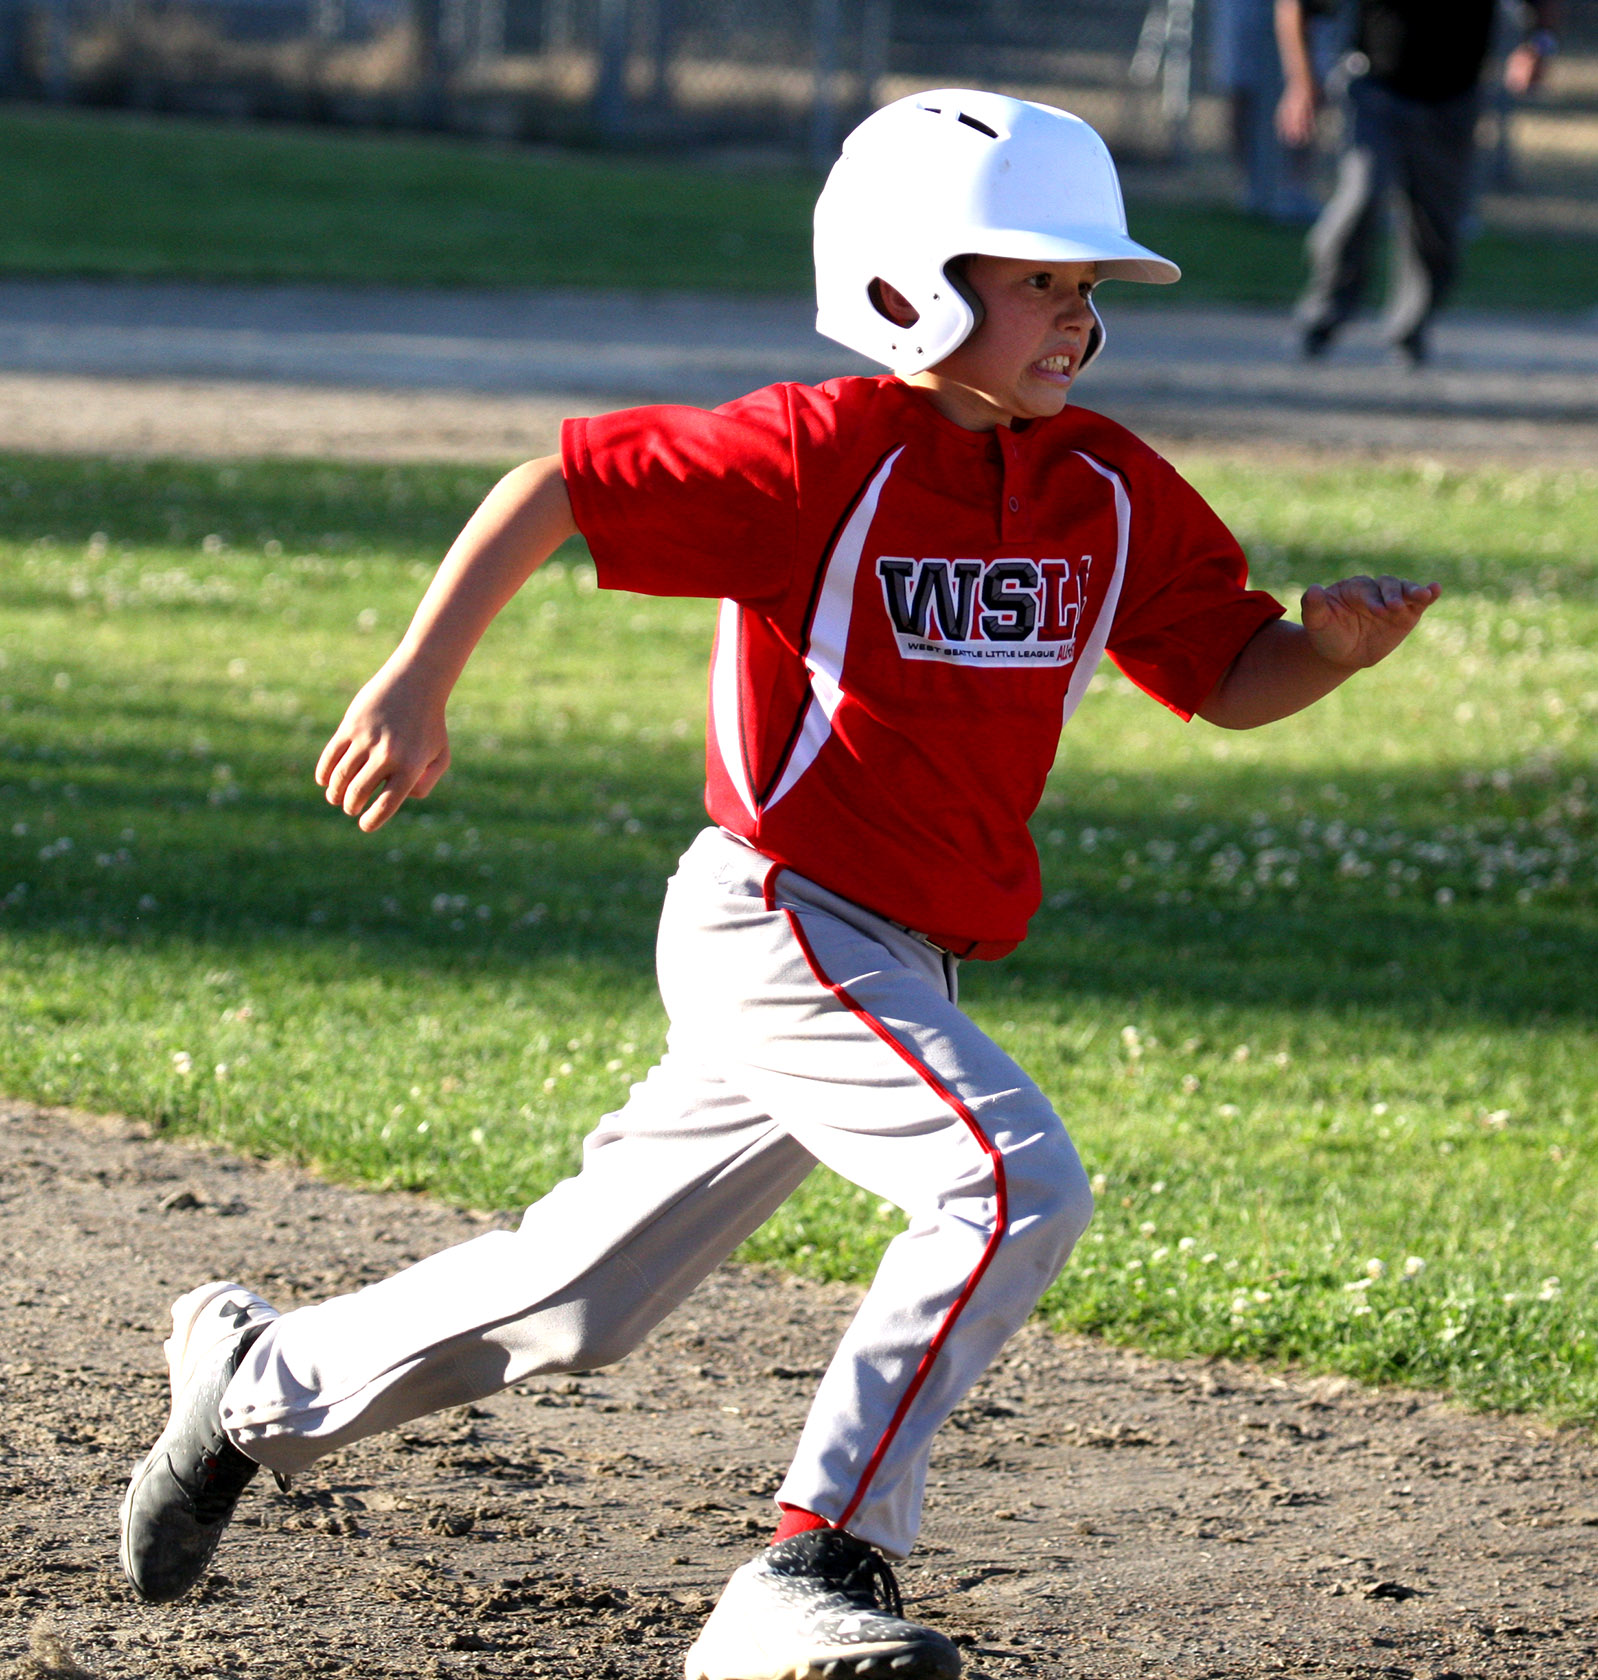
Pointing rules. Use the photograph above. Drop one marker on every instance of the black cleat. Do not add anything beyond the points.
(1315, 341)
(1415, 347)
(182, 1495)
(820, 1606)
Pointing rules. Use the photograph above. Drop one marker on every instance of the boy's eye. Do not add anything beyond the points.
(1045, 282)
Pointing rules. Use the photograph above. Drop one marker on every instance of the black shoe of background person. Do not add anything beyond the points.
(182, 1495)
(1316, 340)
(1415, 347)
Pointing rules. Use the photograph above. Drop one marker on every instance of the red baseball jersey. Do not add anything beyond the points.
(910, 613)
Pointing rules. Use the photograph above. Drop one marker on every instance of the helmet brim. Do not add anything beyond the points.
(1117, 257)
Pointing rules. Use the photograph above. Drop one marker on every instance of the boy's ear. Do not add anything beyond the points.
(891, 304)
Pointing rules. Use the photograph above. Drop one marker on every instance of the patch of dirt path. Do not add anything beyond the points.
(375, 373)
(1091, 1513)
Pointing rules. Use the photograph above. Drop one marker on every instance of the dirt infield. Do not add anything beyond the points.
(101, 367)
(1091, 1513)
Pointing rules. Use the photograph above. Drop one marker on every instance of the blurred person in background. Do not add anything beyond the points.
(1246, 67)
(1413, 100)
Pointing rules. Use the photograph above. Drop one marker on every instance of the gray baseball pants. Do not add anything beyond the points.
(803, 1029)
(1421, 153)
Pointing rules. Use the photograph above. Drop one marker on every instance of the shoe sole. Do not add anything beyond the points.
(186, 1311)
(865, 1662)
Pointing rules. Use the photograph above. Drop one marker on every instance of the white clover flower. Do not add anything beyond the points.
(1209, 1259)
(1157, 1188)
(1414, 1266)
(1362, 1310)
(1190, 1084)
(1376, 1268)
(1239, 1305)
(1187, 1244)
(221, 1070)
(1147, 1228)
(1228, 1111)
(1550, 1290)
(1100, 1182)
(182, 1062)
(1159, 1254)
(1134, 1265)
(1359, 1283)
(423, 1127)
(1262, 1296)
(478, 1136)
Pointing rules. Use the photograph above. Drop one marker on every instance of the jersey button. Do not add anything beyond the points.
(1015, 504)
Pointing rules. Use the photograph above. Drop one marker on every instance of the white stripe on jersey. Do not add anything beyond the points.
(1088, 660)
(725, 720)
(829, 634)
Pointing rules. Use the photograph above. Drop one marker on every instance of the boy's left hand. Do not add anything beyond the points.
(1360, 620)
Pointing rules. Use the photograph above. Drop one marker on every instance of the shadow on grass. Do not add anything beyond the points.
(536, 858)
(328, 524)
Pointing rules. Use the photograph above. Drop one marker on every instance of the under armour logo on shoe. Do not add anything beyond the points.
(240, 1311)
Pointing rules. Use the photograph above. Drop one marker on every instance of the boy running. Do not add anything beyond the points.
(918, 575)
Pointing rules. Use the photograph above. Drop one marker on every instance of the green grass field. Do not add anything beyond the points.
(92, 193)
(1316, 1001)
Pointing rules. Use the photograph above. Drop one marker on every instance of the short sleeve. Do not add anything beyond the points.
(1186, 610)
(687, 501)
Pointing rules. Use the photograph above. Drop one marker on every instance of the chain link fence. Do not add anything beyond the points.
(788, 74)
(623, 72)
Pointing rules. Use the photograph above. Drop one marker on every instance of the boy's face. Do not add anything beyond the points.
(1019, 362)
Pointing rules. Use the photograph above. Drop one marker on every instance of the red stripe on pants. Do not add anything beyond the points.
(1001, 1211)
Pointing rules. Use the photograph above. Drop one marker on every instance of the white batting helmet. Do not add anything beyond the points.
(929, 178)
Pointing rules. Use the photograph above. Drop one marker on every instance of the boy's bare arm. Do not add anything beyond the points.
(1286, 667)
(393, 741)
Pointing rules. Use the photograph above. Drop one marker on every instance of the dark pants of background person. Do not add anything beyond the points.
(1420, 155)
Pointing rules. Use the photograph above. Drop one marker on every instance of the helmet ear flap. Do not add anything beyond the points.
(954, 271)
(1096, 337)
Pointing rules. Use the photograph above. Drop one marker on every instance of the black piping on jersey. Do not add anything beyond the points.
(764, 793)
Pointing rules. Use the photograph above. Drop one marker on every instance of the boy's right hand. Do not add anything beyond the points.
(392, 743)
